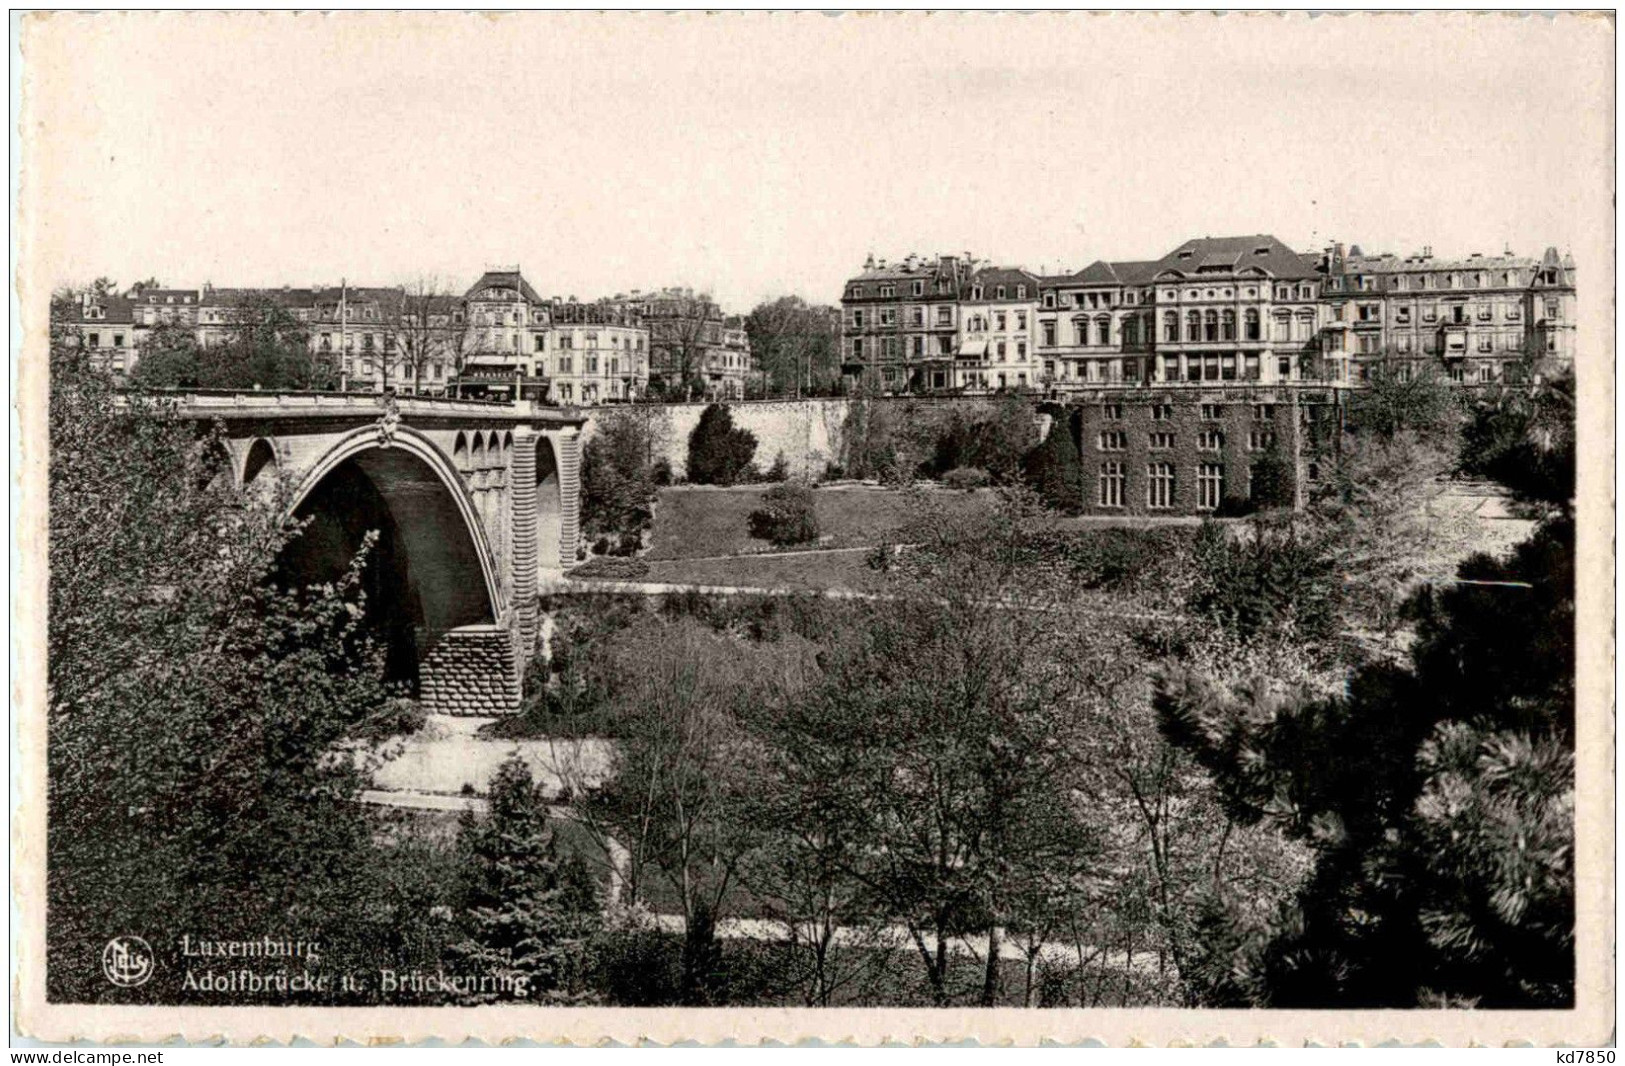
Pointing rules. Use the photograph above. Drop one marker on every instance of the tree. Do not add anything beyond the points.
(676, 794)
(617, 481)
(952, 712)
(1523, 435)
(718, 453)
(1437, 798)
(787, 515)
(528, 912)
(193, 710)
(266, 347)
(683, 330)
(869, 437)
(795, 344)
(170, 358)
(1053, 471)
(1403, 395)
(1276, 575)
(1382, 507)
(421, 321)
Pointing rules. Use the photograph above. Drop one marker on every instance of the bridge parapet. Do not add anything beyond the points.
(237, 402)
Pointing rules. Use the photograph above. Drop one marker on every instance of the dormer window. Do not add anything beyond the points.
(1262, 251)
(1184, 255)
(919, 288)
(998, 292)
(1049, 299)
(976, 292)
(1021, 292)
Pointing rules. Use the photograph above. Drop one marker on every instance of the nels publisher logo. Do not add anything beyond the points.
(127, 961)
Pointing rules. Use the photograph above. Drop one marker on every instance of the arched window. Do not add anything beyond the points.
(1170, 327)
(1283, 327)
(1306, 326)
(1131, 331)
(1103, 330)
(1080, 328)
(1193, 326)
(1229, 324)
(1252, 324)
(1212, 325)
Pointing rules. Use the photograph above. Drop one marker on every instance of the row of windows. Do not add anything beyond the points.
(1001, 322)
(1112, 298)
(887, 316)
(1211, 440)
(1112, 483)
(892, 348)
(1481, 279)
(888, 290)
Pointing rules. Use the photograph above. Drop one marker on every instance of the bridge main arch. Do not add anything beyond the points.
(434, 585)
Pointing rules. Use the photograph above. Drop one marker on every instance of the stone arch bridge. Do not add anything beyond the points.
(475, 504)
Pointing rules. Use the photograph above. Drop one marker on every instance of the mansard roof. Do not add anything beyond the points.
(504, 279)
(1256, 253)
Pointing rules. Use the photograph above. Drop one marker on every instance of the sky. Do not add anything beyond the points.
(756, 155)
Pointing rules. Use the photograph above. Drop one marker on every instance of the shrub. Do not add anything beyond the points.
(612, 569)
(1053, 471)
(1274, 481)
(399, 717)
(718, 453)
(786, 515)
(834, 472)
(661, 471)
(965, 478)
(780, 470)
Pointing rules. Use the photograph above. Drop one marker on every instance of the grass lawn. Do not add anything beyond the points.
(815, 571)
(698, 521)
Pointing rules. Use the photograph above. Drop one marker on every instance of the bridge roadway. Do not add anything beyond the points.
(475, 502)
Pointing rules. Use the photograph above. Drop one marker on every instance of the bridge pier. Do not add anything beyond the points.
(472, 670)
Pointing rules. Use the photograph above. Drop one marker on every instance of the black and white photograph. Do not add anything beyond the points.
(899, 523)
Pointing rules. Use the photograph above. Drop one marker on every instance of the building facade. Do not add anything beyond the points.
(1482, 318)
(1176, 450)
(689, 342)
(500, 339)
(1096, 327)
(1214, 310)
(900, 323)
(998, 327)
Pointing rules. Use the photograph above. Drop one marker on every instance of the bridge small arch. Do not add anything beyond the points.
(549, 507)
(459, 451)
(477, 457)
(432, 570)
(261, 458)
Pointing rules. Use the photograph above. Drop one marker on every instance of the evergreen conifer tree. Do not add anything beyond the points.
(529, 912)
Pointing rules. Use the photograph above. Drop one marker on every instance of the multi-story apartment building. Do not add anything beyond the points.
(998, 327)
(594, 352)
(1235, 309)
(112, 328)
(500, 339)
(900, 323)
(1480, 317)
(733, 365)
(689, 342)
(1097, 326)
